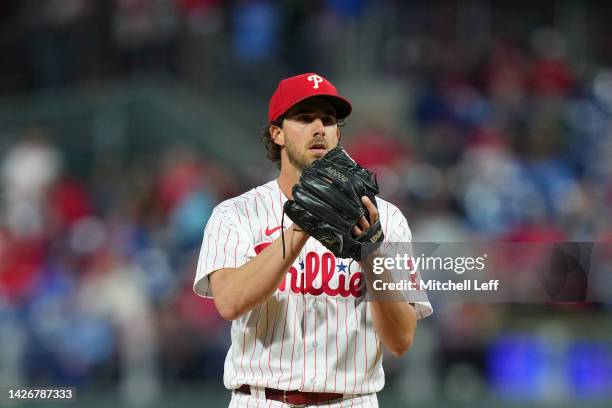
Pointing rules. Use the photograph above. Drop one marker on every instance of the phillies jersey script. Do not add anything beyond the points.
(313, 334)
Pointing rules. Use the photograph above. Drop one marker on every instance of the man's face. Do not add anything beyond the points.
(310, 130)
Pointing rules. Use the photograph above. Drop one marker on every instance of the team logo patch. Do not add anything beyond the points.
(316, 79)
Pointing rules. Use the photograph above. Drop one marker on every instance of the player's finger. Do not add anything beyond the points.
(363, 223)
(367, 203)
(357, 231)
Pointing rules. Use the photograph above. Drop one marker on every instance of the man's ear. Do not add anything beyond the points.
(339, 134)
(277, 135)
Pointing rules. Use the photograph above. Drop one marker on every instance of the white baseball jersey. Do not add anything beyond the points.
(311, 335)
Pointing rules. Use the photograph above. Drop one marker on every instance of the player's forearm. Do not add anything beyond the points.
(395, 323)
(236, 291)
(394, 320)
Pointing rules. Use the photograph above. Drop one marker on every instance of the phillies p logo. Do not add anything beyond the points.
(316, 79)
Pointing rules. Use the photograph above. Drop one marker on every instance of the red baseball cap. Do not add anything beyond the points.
(300, 87)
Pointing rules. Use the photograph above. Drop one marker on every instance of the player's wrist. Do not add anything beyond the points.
(297, 230)
(299, 236)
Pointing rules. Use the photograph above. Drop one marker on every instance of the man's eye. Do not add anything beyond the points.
(329, 120)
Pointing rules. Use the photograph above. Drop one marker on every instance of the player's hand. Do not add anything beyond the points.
(364, 223)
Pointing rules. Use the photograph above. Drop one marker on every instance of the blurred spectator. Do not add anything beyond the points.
(12, 352)
(550, 74)
(29, 169)
(114, 290)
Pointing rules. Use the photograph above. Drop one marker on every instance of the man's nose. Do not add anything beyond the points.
(319, 127)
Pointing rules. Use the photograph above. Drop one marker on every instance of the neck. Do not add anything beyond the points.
(288, 177)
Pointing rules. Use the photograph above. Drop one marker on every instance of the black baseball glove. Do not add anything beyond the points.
(327, 205)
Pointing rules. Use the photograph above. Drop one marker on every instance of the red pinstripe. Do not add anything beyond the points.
(394, 212)
(272, 339)
(237, 211)
(234, 350)
(248, 223)
(255, 341)
(315, 331)
(216, 240)
(293, 345)
(209, 238)
(257, 216)
(326, 337)
(379, 355)
(205, 267)
(264, 344)
(247, 213)
(337, 328)
(304, 336)
(236, 249)
(242, 357)
(274, 209)
(280, 197)
(267, 218)
(280, 358)
(355, 355)
(346, 333)
(225, 248)
(387, 219)
(365, 345)
(244, 333)
(401, 235)
(267, 211)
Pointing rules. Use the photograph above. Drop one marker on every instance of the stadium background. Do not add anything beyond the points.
(122, 123)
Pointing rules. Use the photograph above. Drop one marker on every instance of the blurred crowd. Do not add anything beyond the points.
(96, 274)
(515, 149)
(511, 143)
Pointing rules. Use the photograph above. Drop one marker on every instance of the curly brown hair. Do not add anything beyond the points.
(272, 149)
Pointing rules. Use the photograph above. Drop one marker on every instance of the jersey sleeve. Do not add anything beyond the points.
(226, 244)
(396, 230)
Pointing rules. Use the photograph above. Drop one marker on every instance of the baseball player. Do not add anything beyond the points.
(299, 334)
